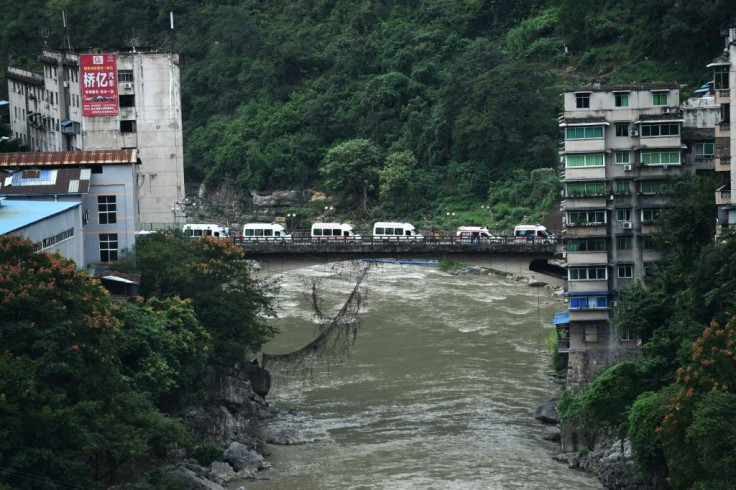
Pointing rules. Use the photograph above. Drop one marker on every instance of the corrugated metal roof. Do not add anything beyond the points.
(70, 158)
(64, 181)
(15, 215)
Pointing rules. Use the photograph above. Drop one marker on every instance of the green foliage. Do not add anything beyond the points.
(645, 417)
(68, 416)
(351, 170)
(229, 303)
(205, 454)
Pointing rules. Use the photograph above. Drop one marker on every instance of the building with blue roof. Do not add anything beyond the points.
(53, 226)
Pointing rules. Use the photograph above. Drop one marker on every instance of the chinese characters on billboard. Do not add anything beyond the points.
(99, 84)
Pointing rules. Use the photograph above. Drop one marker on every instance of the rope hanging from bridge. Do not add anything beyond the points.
(337, 334)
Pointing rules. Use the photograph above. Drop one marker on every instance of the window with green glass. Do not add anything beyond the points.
(655, 186)
(623, 243)
(654, 157)
(651, 215)
(623, 157)
(586, 245)
(621, 99)
(622, 186)
(721, 77)
(584, 132)
(704, 150)
(622, 129)
(660, 129)
(586, 217)
(623, 214)
(585, 160)
(592, 188)
(659, 98)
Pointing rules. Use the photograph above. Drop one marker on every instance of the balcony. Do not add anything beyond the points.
(723, 96)
(723, 164)
(723, 196)
(589, 314)
(723, 129)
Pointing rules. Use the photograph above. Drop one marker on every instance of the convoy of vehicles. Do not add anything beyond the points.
(381, 230)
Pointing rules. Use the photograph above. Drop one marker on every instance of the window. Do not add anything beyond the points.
(622, 157)
(127, 126)
(125, 76)
(108, 247)
(585, 160)
(622, 186)
(590, 333)
(625, 271)
(721, 77)
(591, 273)
(622, 129)
(627, 334)
(107, 210)
(648, 243)
(623, 214)
(623, 243)
(661, 129)
(126, 100)
(651, 215)
(621, 99)
(584, 132)
(597, 217)
(654, 157)
(582, 100)
(655, 187)
(588, 302)
(592, 188)
(659, 98)
(704, 150)
(586, 245)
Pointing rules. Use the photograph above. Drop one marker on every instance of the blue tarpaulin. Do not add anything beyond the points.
(561, 317)
(65, 122)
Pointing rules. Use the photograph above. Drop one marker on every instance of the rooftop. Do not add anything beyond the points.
(16, 215)
(68, 158)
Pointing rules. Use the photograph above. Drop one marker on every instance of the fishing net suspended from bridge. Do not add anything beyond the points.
(336, 334)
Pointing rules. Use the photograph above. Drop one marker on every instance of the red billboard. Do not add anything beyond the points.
(99, 84)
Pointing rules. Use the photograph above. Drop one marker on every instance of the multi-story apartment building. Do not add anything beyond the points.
(622, 146)
(724, 78)
(108, 101)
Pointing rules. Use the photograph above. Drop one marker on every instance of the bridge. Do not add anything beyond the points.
(504, 253)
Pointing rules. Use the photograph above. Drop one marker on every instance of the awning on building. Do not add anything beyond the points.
(66, 122)
(561, 317)
(590, 293)
(4, 102)
(703, 88)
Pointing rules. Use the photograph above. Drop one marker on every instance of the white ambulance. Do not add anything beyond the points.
(386, 230)
(333, 231)
(196, 230)
(265, 231)
(475, 234)
(534, 234)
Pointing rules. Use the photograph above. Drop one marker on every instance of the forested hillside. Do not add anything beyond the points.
(448, 98)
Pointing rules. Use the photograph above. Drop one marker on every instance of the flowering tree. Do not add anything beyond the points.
(68, 418)
(697, 432)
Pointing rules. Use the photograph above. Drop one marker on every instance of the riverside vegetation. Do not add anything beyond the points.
(406, 108)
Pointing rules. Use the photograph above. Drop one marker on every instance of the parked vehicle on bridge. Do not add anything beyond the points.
(476, 234)
(534, 233)
(265, 231)
(333, 231)
(196, 230)
(395, 230)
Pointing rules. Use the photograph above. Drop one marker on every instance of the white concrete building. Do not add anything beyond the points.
(622, 146)
(108, 101)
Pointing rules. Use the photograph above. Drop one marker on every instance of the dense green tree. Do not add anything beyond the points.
(350, 170)
(68, 417)
(229, 303)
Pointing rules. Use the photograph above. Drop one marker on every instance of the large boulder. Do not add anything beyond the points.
(244, 460)
(191, 481)
(279, 198)
(547, 412)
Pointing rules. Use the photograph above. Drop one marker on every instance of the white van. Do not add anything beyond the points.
(200, 230)
(475, 234)
(534, 233)
(265, 231)
(395, 230)
(333, 231)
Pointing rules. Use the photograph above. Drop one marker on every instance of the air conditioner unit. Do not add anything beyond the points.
(635, 133)
(665, 110)
(628, 225)
(627, 168)
(127, 85)
(612, 303)
(66, 84)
